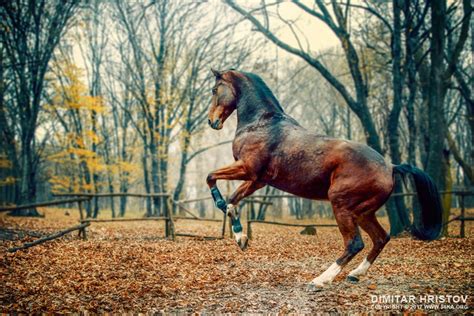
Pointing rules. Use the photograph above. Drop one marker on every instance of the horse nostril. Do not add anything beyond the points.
(209, 122)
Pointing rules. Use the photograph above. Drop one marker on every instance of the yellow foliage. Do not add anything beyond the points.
(60, 183)
(5, 163)
(88, 187)
(80, 142)
(7, 181)
(92, 103)
(60, 155)
(94, 138)
(81, 153)
(127, 166)
(73, 93)
(71, 99)
(96, 166)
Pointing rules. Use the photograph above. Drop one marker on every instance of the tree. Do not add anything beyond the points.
(30, 32)
(219, 49)
(154, 31)
(337, 22)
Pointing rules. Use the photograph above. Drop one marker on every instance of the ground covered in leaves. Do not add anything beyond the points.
(129, 267)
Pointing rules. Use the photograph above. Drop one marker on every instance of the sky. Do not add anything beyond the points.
(316, 33)
(312, 33)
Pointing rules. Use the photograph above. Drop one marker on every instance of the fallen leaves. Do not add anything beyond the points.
(128, 267)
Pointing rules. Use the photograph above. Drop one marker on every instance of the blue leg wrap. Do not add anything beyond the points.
(218, 199)
(222, 205)
(236, 225)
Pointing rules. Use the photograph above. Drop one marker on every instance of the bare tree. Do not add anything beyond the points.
(337, 22)
(30, 32)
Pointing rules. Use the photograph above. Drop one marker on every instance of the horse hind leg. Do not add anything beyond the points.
(379, 239)
(353, 245)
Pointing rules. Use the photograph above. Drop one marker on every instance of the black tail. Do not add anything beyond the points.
(428, 195)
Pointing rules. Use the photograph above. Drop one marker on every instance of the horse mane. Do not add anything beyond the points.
(262, 91)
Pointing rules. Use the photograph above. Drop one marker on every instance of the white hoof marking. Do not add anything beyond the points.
(232, 212)
(230, 209)
(327, 276)
(237, 236)
(361, 269)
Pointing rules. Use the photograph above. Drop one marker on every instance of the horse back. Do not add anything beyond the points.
(292, 159)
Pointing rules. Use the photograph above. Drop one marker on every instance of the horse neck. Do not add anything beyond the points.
(251, 108)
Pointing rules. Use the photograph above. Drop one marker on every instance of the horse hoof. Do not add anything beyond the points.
(243, 243)
(314, 287)
(352, 279)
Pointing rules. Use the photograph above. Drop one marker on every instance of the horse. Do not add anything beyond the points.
(272, 148)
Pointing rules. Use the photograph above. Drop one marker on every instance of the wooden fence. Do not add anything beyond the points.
(169, 226)
(169, 219)
(81, 227)
(462, 218)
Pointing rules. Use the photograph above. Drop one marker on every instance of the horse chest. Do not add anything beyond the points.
(250, 147)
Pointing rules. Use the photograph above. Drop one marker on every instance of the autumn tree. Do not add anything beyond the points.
(30, 33)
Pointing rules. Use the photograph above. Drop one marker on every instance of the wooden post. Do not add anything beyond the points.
(249, 222)
(82, 231)
(81, 213)
(223, 226)
(462, 231)
(169, 225)
(249, 228)
(167, 221)
(230, 227)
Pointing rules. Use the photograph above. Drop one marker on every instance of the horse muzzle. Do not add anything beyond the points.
(217, 124)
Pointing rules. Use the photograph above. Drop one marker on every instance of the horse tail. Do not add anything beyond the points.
(429, 227)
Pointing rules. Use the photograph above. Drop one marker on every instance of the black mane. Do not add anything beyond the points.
(262, 91)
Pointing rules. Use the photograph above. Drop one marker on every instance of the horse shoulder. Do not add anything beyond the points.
(252, 149)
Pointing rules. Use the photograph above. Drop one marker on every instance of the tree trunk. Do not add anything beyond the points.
(396, 205)
(155, 177)
(437, 89)
(28, 177)
(446, 198)
(182, 169)
(146, 182)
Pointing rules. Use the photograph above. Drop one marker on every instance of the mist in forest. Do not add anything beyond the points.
(113, 96)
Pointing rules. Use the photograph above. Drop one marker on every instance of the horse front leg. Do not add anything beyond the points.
(235, 171)
(244, 190)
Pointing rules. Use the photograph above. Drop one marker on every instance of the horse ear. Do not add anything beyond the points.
(216, 73)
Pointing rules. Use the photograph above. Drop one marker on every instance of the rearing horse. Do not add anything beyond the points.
(271, 148)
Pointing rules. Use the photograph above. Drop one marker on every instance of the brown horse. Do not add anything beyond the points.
(271, 148)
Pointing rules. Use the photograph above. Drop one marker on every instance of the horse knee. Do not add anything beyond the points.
(380, 243)
(210, 180)
(355, 245)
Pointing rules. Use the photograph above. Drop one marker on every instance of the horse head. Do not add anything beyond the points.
(224, 98)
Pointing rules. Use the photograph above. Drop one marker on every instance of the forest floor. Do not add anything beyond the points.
(129, 267)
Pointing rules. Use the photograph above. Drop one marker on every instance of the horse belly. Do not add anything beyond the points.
(299, 167)
(304, 185)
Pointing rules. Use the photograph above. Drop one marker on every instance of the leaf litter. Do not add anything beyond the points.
(130, 267)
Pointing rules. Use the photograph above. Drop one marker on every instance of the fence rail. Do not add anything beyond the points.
(169, 224)
(117, 194)
(41, 204)
(50, 237)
